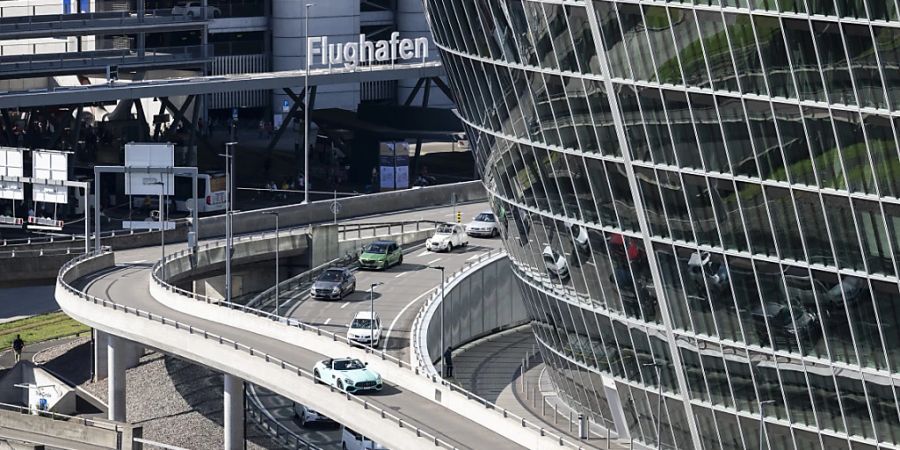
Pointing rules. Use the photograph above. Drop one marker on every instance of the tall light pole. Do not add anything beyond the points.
(441, 268)
(762, 421)
(306, 111)
(162, 224)
(659, 402)
(372, 314)
(229, 207)
(277, 242)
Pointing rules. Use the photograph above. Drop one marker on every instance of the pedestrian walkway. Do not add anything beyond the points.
(490, 368)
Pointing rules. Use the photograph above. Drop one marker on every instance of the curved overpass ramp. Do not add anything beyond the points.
(411, 412)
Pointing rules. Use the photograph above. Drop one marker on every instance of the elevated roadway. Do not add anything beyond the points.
(409, 413)
(121, 90)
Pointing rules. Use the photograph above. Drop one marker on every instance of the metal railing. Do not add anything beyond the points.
(100, 58)
(28, 18)
(415, 369)
(109, 426)
(42, 252)
(388, 415)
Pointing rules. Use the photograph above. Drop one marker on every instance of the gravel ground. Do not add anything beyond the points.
(54, 352)
(177, 403)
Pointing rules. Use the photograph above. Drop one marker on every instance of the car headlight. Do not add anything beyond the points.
(348, 381)
(335, 290)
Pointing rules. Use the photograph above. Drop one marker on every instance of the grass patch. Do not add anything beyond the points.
(40, 328)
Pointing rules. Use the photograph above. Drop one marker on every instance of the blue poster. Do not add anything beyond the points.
(67, 6)
(85, 6)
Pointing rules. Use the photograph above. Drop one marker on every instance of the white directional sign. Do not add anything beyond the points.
(51, 166)
(12, 164)
(146, 155)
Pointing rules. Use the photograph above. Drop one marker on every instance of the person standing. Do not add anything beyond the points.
(448, 363)
(18, 345)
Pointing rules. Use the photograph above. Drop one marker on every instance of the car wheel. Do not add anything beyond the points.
(190, 14)
(343, 446)
(494, 233)
(316, 378)
(400, 261)
(303, 421)
(449, 247)
(340, 385)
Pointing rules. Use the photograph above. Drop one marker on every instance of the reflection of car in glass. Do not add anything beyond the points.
(194, 9)
(779, 317)
(351, 440)
(334, 284)
(580, 239)
(307, 415)
(702, 267)
(347, 374)
(555, 262)
(381, 255)
(484, 224)
(362, 329)
(447, 237)
(848, 290)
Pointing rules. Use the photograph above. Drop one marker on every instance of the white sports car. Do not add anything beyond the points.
(347, 374)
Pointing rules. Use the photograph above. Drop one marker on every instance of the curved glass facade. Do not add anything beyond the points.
(699, 199)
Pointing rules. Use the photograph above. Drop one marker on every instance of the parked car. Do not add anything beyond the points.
(447, 237)
(351, 440)
(556, 263)
(347, 374)
(381, 255)
(194, 9)
(365, 329)
(484, 224)
(334, 284)
(307, 415)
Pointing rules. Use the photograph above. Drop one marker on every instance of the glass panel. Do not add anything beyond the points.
(834, 62)
(743, 44)
(775, 61)
(864, 64)
(803, 56)
(709, 131)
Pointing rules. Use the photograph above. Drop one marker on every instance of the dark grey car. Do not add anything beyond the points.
(334, 284)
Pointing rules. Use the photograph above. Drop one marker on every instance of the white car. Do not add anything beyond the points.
(351, 440)
(447, 237)
(362, 328)
(308, 415)
(555, 262)
(347, 374)
(194, 9)
(484, 225)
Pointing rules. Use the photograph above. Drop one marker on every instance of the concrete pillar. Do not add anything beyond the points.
(115, 367)
(234, 413)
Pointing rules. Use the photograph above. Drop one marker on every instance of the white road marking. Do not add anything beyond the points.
(387, 336)
(426, 252)
(327, 321)
(140, 261)
(346, 304)
(434, 260)
(479, 255)
(400, 274)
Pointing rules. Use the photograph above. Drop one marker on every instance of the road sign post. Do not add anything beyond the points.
(335, 207)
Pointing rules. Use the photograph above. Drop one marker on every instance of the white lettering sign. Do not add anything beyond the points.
(352, 54)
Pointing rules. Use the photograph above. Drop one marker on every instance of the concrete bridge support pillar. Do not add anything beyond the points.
(115, 366)
(234, 413)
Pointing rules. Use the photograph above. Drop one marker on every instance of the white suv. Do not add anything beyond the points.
(363, 331)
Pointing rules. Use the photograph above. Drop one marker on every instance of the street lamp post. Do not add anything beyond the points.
(277, 265)
(372, 314)
(441, 268)
(162, 225)
(306, 111)
(762, 422)
(229, 207)
(659, 401)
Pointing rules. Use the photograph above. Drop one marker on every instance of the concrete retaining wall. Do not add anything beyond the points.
(91, 435)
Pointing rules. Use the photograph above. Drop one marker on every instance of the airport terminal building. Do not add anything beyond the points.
(700, 200)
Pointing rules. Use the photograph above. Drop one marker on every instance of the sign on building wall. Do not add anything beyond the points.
(50, 166)
(393, 165)
(12, 164)
(146, 155)
(351, 54)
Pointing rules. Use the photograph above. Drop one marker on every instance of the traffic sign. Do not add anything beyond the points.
(234, 113)
(335, 207)
(285, 106)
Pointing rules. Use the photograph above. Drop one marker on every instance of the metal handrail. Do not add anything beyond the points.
(265, 357)
(57, 416)
(280, 432)
(291, 322)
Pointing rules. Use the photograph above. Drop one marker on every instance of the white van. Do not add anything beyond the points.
(210, 191)
(351, 440)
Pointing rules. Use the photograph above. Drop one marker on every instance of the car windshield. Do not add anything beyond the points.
(330, 275)
(484, 217)
(377, 247)
(361, 323)
(348, 364)
(445, 229)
